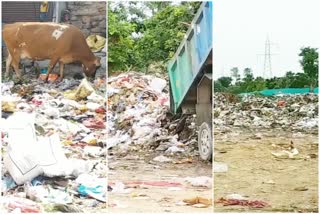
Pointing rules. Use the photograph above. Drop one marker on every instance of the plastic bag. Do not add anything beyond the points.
(96, 43)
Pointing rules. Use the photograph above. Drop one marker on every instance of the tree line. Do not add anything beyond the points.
(309, 61)
(136, 40)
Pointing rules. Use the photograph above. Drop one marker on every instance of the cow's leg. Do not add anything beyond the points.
(15, 64)
(8, 64)
(61, 67)
(52, 63)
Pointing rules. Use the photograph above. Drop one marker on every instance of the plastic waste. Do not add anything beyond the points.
(174, 149)
(90, 139)
(94, 123)
(236, 196)
(120, 187)
(22, 204)
(84, 190)
(202, 181)
(83, 91)
(8, 183)
(92, 106)
(8, 106)
(92, 186)
(198, 202)
(23, 161)
(48, 195)
(96, 42)
(158, 84)
(162, 159)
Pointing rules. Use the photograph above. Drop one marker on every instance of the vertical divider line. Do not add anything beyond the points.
(106, 97)
(1, 128)
(212, 108)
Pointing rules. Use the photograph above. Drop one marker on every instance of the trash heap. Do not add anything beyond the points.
(288, 112)
(53, 146)
(138, 114)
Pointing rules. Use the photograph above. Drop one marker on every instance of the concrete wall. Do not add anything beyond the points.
(90, 17)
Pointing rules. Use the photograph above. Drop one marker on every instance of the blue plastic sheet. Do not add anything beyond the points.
(272, 92)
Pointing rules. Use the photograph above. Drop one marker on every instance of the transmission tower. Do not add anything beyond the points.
(267, 69)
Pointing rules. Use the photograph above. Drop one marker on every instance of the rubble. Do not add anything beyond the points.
(63, 146)
(287, 112)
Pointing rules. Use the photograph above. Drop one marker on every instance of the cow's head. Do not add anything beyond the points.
(91, 68)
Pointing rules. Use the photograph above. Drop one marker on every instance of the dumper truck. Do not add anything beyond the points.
(190, 77)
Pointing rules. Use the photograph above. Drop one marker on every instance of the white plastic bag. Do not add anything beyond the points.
(28, 156)
(21, 158)
(158, 84)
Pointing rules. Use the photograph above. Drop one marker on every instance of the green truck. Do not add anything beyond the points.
(190, 75)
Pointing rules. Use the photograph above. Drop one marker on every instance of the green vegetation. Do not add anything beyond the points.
(137, 41)
(309, 78)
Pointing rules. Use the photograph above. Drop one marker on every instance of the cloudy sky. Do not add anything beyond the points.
(241, 28)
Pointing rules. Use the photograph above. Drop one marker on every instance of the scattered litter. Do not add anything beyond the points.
(158, 84)
(120, 187)
(220, 167)
(48, 195)
(155, 183)
(248, 203)
(22, 205)
(162, 159)
(287, 154)
(198, 202)
(175, 189)
(236, 196)
(139, 196)
(301, 189)
(8, 183)
(201, 181)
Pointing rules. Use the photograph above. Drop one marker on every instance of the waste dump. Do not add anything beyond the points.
(152, 152)
(288, 112)
(261, 143)
(53, 146)
(139, 115)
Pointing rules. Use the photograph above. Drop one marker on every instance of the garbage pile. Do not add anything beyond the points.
(288, 112)
(138, 114)
(53, 146)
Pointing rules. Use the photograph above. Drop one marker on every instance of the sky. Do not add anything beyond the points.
(241, 28)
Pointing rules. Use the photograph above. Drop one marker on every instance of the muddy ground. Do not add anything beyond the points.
(156, 199)
(287, 185)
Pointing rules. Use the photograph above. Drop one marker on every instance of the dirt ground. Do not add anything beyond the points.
(156, 199)
(287, 185)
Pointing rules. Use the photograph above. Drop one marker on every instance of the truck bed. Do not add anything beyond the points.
(194, 52)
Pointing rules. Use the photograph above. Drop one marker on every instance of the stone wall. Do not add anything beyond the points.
(89, 16)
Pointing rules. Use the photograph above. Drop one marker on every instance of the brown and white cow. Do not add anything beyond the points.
(40, 41)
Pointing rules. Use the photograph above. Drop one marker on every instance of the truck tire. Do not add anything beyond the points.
(205, 143)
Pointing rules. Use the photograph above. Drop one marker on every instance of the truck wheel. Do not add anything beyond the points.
(205, 141)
